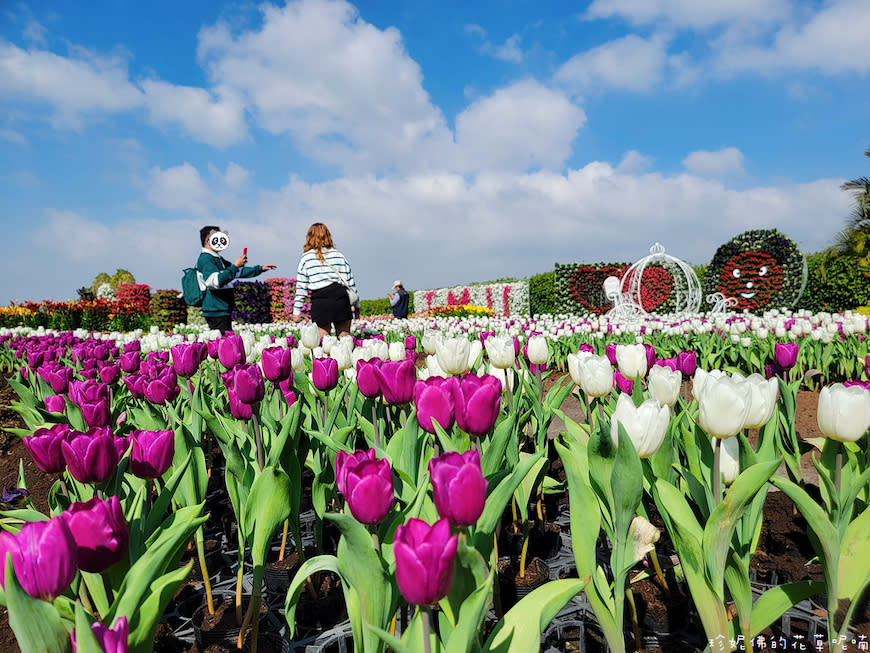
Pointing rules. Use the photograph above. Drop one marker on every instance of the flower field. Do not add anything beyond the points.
(461, 482)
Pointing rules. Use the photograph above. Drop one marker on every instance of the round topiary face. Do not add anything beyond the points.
(752, 278)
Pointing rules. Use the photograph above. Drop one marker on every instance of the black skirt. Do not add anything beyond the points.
(330, 306)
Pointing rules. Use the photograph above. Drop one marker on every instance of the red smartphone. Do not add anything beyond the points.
(244, 251)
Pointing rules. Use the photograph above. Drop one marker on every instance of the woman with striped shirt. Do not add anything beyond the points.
(325, 272)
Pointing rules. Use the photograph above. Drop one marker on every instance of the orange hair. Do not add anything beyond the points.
(317, 238)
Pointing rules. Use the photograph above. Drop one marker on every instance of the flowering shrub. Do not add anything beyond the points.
(105, 291)
(282, 292)
(253, 303)
(460, 310)
(761, 269)
(502, 298)
(134, 298)
(14, 315)
(580, 286)
(168, 309)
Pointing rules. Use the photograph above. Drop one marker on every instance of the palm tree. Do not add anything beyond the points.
(854, 239)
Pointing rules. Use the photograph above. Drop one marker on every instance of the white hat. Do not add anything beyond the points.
(397, 283)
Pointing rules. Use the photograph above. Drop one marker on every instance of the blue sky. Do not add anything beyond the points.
(442, 142)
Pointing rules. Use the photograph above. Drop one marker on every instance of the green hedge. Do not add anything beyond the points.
(542, 294)
(380, 306)
(835, 284)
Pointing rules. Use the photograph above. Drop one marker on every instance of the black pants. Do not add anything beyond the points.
(222, 323)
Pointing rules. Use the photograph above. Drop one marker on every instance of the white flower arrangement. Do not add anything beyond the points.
(504, 298)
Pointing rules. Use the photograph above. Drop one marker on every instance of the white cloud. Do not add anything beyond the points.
(523, 125)
(34, 32)
(634, 162)
(727, 161)
(346, 91)
(179, 188)
(509, 50)
(631, 63)
(14, 137)
(831, 41)
(690, 13)
(236, 177)
(83, 83)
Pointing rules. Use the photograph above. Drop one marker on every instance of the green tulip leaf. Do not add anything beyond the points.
(36, 624)
(626, 484)
(493, 456)
(294, 592)
(267, 507)
(86, 641)
(144, 621)
(854, 568)
(520, 629)
(776, 601)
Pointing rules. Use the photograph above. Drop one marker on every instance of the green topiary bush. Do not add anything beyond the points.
(542, 294)
(835, 284)
(380, 306)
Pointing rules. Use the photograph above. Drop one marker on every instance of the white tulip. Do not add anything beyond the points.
(844, 412)
(428, 341)
(474, 349)
(631, 360)
(341, 354)
(537, 350)
(396, 351)
(723, 405)
(664, 384)
(500, 350)
(575, 362)
(729, 459)
(433, 367)
(596, 376)
(764, 392)
(644, 534)
(645, 424)
(309, 335)
(379, 349)
(452, 354)
(328, 342)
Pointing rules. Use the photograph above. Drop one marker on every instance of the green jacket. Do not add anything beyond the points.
(218, 272)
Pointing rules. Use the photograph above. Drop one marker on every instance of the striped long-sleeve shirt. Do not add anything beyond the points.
(314, 274)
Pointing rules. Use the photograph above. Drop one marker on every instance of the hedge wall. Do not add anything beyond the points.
(542, 294)
(836, 284)
(167, 309)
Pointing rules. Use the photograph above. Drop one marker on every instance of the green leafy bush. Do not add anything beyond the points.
(542, 294)
(380, 306)
(835, 284)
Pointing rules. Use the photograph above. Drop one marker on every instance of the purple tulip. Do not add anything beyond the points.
(650, 355)
(248, 383)
(44, 447)
(458, 487)
(110, 373)
(325, 373)
(610, 352)
(44, 557)
(133, 345)
(11, 495)
(82, 391)
(162, 389)
(136, 385)
(130, 362)
(477, 403)
(785, 354)
(397, 381)
(424, 560)
(100, 352)
(157, 357)
(624, 384)
(100, 532)
(369, 490)
(411, 342)
(238, 409)
(367, 378)
(344, 462)
(151, 453)
(186, 358)
(212, 346)
(286, 387)
(867, 366)
(585, 346)
(771, 371)
(435, 399)
(91, 457)
(666, 362)
(110, 640)
(55, 403)
(35, 359)
(276, 363)
(96, 413)
(57, 376)
(687, 362)
(122, 443)
(231, 351)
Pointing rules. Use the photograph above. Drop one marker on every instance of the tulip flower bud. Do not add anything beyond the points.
(100, 532)
(500, 350)
(610, 352)
(411, 342)
(723, 405)
(309, 335)
(622, 383)
(186, 359)
(345, 462)
(162, 389)
(452, 354)
(646, 424)
(396, 381)
(664, 384)
(424, 560)
(477, 403)
(596, 376)
(96, 413)
(632, 360)
(43, 556)
(110, 640)
(342, 355)
(91, 457)
(44, 447)
(785, 354)
(458, 487)
(844, 412)
(130, 362)
(764, 393)
(575, 362)
(248, 383)
(238, 409)
(729, 459)
(277, 363)
(324, 373)
(286, 387)
(687, 362)
(435, 399)
(367, 378)
(151, 453)
(231, 351)
(396, 351)
(55, 403)
(57, 376)
(538, 350)
(369, 490)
